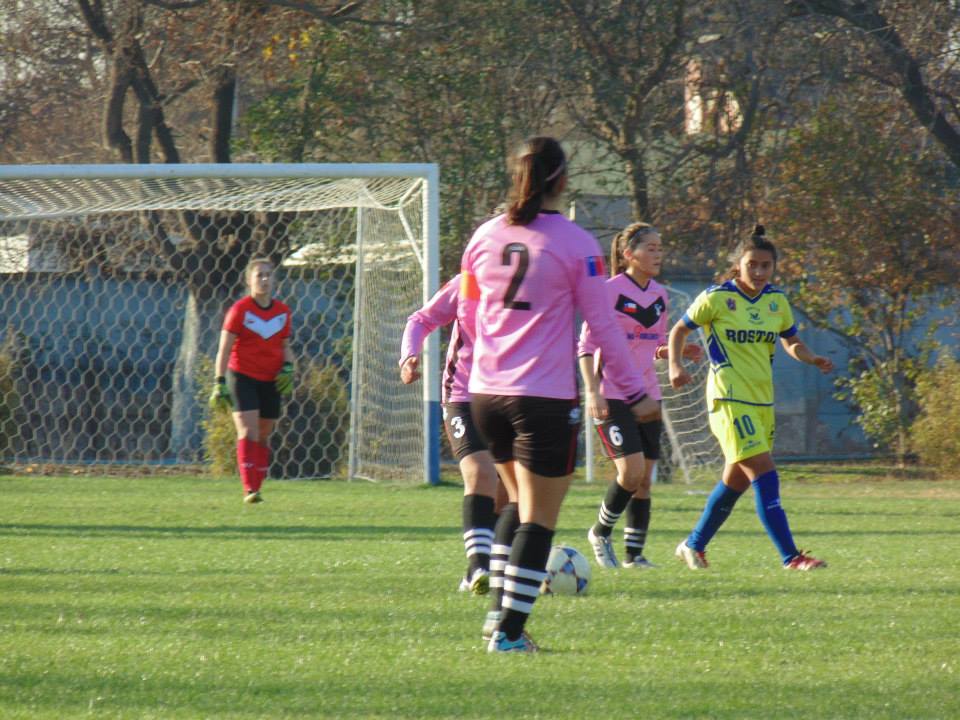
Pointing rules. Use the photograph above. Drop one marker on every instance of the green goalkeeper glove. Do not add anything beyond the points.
(220, 395)
(284, 381)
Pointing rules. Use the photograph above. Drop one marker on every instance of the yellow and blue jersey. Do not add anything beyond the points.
(742, 334)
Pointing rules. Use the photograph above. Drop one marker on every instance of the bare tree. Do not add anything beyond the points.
(918, 55)
(164, 54)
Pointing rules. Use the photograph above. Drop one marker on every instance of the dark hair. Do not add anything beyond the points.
(628, 238)
(537, 169)
(757, 241)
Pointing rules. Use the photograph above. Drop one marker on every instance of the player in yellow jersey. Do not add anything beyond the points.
(743, 318)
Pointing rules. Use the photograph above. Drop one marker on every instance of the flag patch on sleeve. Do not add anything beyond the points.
(469, 290)
(595, 265)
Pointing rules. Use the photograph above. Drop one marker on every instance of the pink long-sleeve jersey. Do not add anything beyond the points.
(529, 280)
(641, 313)
(442, 309)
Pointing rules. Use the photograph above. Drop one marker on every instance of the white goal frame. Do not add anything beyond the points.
(428, 254)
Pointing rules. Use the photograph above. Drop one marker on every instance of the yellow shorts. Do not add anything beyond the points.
(742, 430)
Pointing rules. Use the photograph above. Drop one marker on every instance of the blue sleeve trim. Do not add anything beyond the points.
(688, 322)
(790, 331)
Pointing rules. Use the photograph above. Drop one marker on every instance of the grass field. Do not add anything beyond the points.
(167, 598)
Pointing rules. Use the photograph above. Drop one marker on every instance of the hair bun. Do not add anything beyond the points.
(759, 231)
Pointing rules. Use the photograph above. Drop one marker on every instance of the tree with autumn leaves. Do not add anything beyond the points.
(458, 83)
(870, 232)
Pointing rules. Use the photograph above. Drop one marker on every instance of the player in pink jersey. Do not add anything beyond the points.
(640, 304)
(530, 270)
(254, 367)
(476, 464)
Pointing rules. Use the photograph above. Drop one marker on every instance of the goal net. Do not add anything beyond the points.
(114, 281)
(688, 449)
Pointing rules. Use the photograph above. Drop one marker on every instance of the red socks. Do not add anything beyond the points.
(253, 459)
(246, 462)
(262, 460)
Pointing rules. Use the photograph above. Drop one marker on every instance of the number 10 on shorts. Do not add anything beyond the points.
(744, 426)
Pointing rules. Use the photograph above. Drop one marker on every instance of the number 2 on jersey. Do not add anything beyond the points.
(523, 262)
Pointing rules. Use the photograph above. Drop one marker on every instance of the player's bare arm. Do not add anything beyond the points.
(799, 351)
(227, 339)
(596, 403)
(676, 346)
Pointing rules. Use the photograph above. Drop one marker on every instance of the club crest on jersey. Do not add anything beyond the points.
(264, 328)
(646, 316)
(595, 266)
(774, 307)
(731, 304)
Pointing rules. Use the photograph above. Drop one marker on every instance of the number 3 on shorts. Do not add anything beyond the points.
(458, 427)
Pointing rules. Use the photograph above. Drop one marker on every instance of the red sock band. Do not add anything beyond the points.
(262, 460)
(247, 463)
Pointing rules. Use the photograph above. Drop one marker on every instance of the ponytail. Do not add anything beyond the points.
(626, 239)
(537, 170)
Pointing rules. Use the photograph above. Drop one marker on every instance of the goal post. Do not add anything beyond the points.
(114, 280)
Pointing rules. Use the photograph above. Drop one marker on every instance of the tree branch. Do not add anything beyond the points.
(866, 16)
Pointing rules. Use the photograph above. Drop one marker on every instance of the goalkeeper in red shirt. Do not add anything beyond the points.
(254, 368)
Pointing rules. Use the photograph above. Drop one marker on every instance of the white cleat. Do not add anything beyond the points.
(694, 559)
(602, 550)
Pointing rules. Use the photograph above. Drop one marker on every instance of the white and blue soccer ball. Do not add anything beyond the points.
(568, 572)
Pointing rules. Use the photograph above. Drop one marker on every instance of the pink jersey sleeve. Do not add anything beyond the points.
(440, 310)
(586, 344)
(604, 331)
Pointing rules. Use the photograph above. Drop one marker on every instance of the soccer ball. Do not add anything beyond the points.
(568, 572)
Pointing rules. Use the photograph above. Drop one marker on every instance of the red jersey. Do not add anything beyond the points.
(258, 350)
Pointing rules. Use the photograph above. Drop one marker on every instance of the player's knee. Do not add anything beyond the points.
(643, 487)
(632, 479)
(478, 477)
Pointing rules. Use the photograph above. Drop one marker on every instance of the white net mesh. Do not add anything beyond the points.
(113, 291)
(688, 448)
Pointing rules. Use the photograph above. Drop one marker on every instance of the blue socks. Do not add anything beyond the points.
(715, 513)
(766, 489)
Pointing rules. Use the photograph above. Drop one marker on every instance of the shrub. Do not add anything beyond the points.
(935, 435)
(310, 437)
(219, 433)
(11, 356)
(885, 395)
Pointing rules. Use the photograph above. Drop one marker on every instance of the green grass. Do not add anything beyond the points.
(167, 598)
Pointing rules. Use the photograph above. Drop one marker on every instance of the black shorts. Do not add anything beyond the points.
(621, 435)
(539, 433)
(251, 394)
(462, 433)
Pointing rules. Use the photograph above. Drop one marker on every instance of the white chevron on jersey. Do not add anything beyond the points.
(264, 328)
